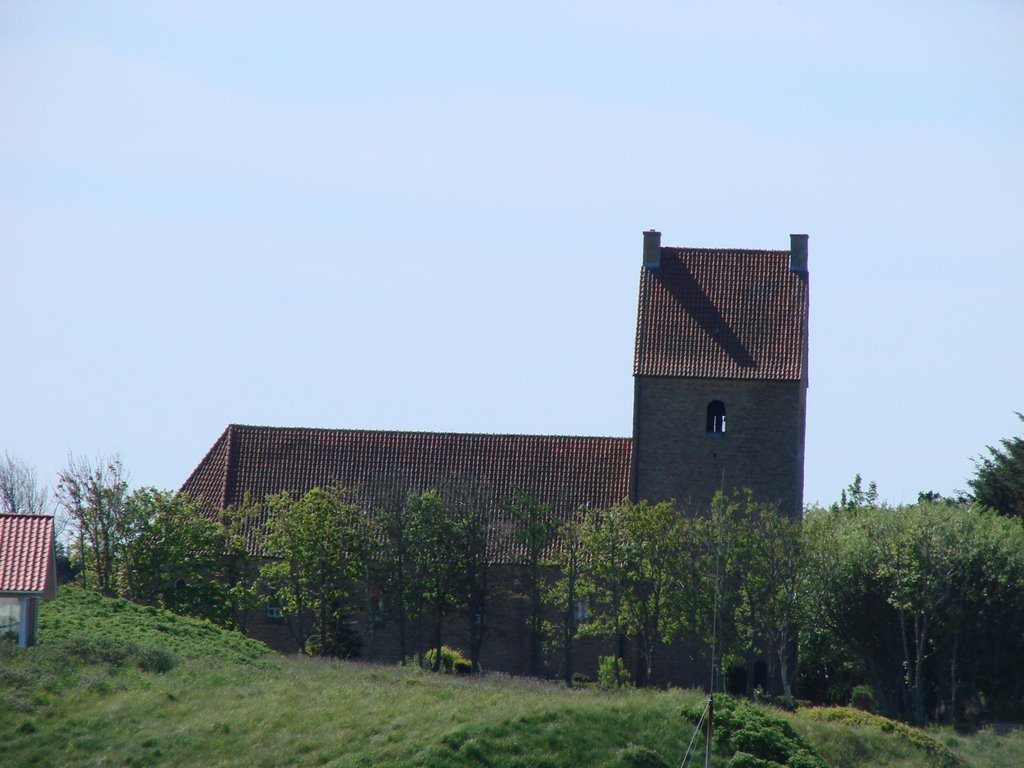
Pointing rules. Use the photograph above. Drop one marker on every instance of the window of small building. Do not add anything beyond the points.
(10, 618)
(716, 418)
(274, 612)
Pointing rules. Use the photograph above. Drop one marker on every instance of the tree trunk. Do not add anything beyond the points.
(921, 636)
(402, 651)
(569, 629)
(437, 640)
(617, 653)
(782, 649)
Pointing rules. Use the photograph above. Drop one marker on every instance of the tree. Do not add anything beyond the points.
(389, 502)
(535, 525)
(470, 504)
(439, 552)
(567, 592)
(178, 558)
(765, 562)
(321, 543)
(241, 572)
(21, 493)
(924, 599)
(94, 499)
(604, 541)
(998, 482)
(640, 559)
(855, 495)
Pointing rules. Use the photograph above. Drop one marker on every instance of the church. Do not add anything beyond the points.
(719, 403)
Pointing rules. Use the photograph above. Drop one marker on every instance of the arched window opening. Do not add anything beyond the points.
(716, 418)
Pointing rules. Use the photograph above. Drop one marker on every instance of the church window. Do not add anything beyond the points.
(376, 608)
(716, 418)
(581, 611)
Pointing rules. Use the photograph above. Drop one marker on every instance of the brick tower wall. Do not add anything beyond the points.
(761, 449)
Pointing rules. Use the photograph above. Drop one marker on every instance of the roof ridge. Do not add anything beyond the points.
(743, 251)
(350, 430)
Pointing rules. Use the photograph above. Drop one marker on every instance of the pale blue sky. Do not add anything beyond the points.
(428, 216)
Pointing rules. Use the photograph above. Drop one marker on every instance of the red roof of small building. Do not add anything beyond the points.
(26, 554)
(729, 314)
(565, 472)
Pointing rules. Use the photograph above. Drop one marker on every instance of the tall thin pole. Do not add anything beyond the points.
(714, 642)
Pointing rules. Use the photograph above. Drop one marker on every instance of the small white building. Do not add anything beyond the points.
(28, 574)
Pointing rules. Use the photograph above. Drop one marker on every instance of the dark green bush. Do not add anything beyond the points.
(765, 741)
(452, 661)
(745, 760)
(863, 698)
(155, 660)
(606, 671)
(580, 680)
(755, 738)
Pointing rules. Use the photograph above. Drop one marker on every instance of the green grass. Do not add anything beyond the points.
(87, 696)
(82, 614)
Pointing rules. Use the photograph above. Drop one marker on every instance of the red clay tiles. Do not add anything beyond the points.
(729, 314)
(565, 472)
(26, 553)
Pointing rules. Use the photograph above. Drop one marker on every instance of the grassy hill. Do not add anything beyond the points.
(113, 683)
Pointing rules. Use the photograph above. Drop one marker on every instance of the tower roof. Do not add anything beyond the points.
(731, 314)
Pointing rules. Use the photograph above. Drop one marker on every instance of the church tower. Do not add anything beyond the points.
(720, 374)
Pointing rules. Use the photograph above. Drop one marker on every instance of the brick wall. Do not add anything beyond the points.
(761, 449)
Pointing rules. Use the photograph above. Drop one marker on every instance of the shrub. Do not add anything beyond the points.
(606, 666)
(155, 660)
(580, 680)
(755, 738)
(863, 698)
(939, 754)
(745, 760)
(452, 661)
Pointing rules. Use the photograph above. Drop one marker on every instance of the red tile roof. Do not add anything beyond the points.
(26, 554)
(731, 314)
(565, 472)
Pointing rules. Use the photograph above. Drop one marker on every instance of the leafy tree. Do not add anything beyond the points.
(764, 560)
(241, 570)
(641, 556)
(604, 541)
(440, 553)
(856, 495)
(94, 499)
(535, 526)
(177, 559)
(469, 502)
(21, 493)
(998, 482)
(567, 591)
(321, 545)
(392, 565)
(925, 600)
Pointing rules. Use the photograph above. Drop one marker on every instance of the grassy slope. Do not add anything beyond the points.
(228, 702)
